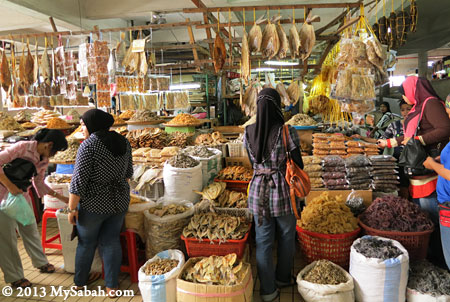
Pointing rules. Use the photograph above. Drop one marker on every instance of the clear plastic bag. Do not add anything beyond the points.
(321, 146)
(335, 145)
(360, 187)
(312, 168)
(354, 144)
(385, 177)
(334, 182)
(332, 169)
(355, 202)
(333, 161)
(307, 160)
(358, 175)
(382, 158)
(344, 84)
(18, 208)
(333, 175)
(341, 187)
(362, 87)
(383, 172)
(314, 174)
(357, 161)
(338, 152)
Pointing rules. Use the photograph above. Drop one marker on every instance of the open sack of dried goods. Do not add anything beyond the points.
(158, 276)
(324, 281)
(216, 278)
(397, 218)
(379, 267)
(210, 159)
(182, 171)
(164, 224)
(301, 120)
(42, 117)
(134, 218)
(59, 183)
(427, 283)
(327, 229)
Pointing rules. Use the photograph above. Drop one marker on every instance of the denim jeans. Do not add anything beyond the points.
(430, 205)
(445, 239)
(284, 229)
(102, 230)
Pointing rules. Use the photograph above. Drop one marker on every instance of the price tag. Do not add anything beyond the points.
(138, 45)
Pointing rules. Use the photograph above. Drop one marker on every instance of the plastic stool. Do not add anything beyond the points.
(48, 243)
(133, 255)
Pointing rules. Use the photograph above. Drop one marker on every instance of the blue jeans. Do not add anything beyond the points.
(284, 228)
(103, 230)
(430, 205)
(445, 239)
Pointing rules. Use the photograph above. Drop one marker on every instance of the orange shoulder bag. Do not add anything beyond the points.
(297, 179)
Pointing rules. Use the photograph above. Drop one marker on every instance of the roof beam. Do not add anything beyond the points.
(250, 23)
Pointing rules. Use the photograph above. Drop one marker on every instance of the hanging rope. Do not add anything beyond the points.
(243, 14)
(293, 16)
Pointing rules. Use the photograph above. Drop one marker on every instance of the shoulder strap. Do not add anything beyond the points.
(421, 114)
(286, 139)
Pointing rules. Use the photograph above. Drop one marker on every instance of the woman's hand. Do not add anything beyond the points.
(14, 190)
(428, 163)
(64, 199)
(357, 136)
(73, 217)
(382, 143)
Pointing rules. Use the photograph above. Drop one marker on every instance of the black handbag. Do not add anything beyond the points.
(19, 172)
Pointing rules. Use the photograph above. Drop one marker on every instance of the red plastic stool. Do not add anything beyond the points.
(48, 243)
(134, 261)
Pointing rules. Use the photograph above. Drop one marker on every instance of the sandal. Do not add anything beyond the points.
(47, 269)
(111, 292)
(22, 283)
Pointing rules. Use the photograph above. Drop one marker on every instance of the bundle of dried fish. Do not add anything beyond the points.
(294, 41)
(245, 59)
(402, 25)
(326, 272)
(295, 92)
(126, 115)
(236, 173)
(131, 61)
(160, 266)
(5, 74)
(301, 120)
(318, 104)
(210, 139)
(199, 151)
(171, 209)
(219, 53)
(414, 15)
(249, 101)
(216, 270)
(283, 94)
(143, 67)
(307, 37)
(70, 154)
(22, 116)
(29, 67)
(231, 199)
(255, 37)
(183, 161)
(44, 69)
(213, 226)
(148, 137)
(284, 43)
(179, 139)
(270, 42)
(213, 191)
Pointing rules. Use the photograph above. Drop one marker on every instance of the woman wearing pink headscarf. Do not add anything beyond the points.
(429, 123)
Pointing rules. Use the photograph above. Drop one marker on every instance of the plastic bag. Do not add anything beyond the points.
(307, 160)
(337, 145)
(382, 158)
(333, 175)
(332, 169)
(18, 208)
(383, 172)
(333, 161)
(355, 202)
(357, 161)
(334, 182)
(340, 187)
(312, 168)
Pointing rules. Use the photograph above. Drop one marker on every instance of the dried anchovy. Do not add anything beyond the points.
(391, 213)
(172, 209)
(429, 279)
(183, 161)
(160, 267)
(199, 151)
(325, 272)
(70, 153)
(375, 248)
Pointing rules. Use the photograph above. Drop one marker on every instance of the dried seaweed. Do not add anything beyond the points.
(429, 279)
(372, 247)
(183, 161)
(326, 272)
(391, 213)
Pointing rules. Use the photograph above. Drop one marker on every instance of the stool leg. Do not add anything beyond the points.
(44, 230)
(132, 256)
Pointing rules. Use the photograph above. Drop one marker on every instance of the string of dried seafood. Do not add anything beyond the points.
(214, 226)
(160, 267)
(216, 270)
(236, 173)
(325, 272)
(328, 215)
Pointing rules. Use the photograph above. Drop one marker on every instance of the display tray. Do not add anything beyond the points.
(184, 125)
(119, 125)
(62, 129)
(59, 162)
(155, 122)
(305, 127)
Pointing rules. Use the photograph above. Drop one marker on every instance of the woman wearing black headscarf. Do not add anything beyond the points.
(383, 123)
(99, 197)
(268, 197)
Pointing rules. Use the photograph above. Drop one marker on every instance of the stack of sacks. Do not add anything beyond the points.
(384, 173)
(313, 166)
(320, 144)
(358, 173)
(334, 173)
(355, 148)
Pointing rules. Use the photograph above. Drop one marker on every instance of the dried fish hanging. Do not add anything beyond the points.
(245, 58)
(284, 43)
(392, 29)
(270, 41)
(294, 39)
(414, 12)
(383, 24)
(403, 23)
(5, 73)
(219, 52)
(255, 35)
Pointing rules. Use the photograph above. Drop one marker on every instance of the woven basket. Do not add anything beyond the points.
(333, 247)
(416, 243)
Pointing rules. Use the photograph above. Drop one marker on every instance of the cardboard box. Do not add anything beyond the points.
(196, 292)
(365, 194)
(238, 161)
